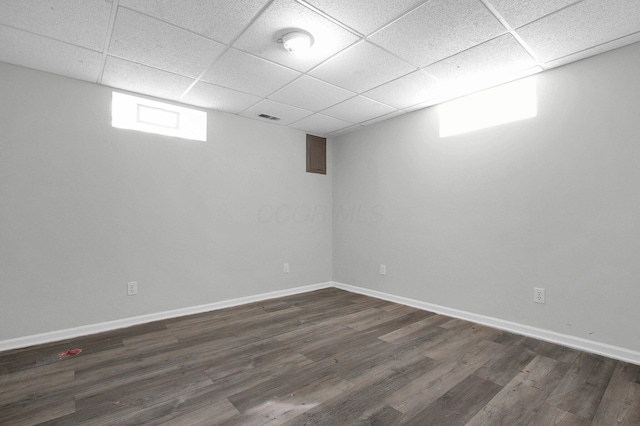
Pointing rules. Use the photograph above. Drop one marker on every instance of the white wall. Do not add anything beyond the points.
(85, 208)
(475, 222)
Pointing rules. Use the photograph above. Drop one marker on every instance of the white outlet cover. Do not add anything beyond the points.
(538, 295)
(383, 269)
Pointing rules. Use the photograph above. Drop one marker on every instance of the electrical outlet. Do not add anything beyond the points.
(538, 295)
(285, 268)
(132, 288)
(383, 269)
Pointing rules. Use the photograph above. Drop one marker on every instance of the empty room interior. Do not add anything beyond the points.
(320, 212)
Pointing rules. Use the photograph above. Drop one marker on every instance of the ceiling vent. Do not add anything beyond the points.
(269, 117)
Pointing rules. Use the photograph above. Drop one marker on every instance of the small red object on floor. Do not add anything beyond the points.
(70, 353)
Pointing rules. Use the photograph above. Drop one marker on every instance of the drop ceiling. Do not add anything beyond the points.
(371, 60)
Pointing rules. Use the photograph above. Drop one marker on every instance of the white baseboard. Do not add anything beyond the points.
(586, 345)
(579, 343)
(69, 333)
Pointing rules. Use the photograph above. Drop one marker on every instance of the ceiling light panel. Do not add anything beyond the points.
(406, 91)
(492, 62)
(33, 51)
(138, 78)
(221, 20)
(80, 22)
(362, 67)
(581, 26)
(364, 16)
(146, 40)
(358, 110)
(283, 16)
(518, 13)
(247, 73)
(320, 125)
(311, 94)
(287, 113)
(220, 98)
(438, 29)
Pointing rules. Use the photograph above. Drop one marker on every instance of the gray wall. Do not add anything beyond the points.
(475, 222)
(85, 208)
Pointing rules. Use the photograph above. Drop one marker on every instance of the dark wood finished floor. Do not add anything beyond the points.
(328, 357)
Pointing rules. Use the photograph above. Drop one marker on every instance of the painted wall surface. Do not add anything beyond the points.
(475, 222)
(86, 208)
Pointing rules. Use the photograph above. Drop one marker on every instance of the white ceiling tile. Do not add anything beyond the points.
(409, 90)
(431, 103)
(283, 15)
(33, 51)
(384, 117)
(344, 131)
(320, 125)
(80, 22)
(146, 40)
(311, 94)
(489, 63)
(137, 78)
(362, 67)
(158, 48)
(605, 47)
(247, 73)
(518, 13)
(221, 20)
(438, 29)
(581, 26)
(358, 109)
(286, 113)
(462, 90)
(214, 97)
(364, 16)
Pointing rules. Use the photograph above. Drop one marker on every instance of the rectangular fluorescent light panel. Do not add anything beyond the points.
(145, 115)
(499, 105)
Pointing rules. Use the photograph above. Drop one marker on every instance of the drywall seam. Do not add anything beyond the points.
(591, 346)
(69, 333)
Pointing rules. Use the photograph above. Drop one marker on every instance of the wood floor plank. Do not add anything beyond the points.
(581, 390)
(282, 407)
(326, 357)
(505, 366)
(458, 405)
(620, 404)
(550, 350)
(32, 387)
(446, 374)
(277, 388)
(383, 416)
(456, 341)
(398, 323)
(36, 413)
(218, 411)
(628, 372)
(381, 318)
(523, 396)
(362, 401)
(417, 328)
(548, 415)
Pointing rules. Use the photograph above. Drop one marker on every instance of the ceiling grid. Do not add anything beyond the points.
(371, 59)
